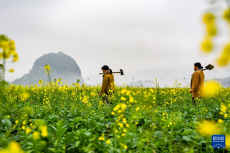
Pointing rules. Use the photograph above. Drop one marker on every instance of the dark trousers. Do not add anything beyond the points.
(194, 100)
(107, 97)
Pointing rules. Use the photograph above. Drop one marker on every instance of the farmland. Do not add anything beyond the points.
(72, 118)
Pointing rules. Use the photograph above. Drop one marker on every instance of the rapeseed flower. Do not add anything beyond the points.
(131, 98)
(223, 108)
(36, 135)
(116, 108)
(47, 68)
(44, 131)
(25, 95)
(226, 51)
(123, 106)
(211, 30)
(209, 18)
(15, 57)
(212, 87)
(28, 130)
(124, 120)
(11, 70)
(220, 121)
(108, 141)
(120, 124)
(14, 147)
(225, 57)
(207, 128)
(223, 61)
(24, 122)
(227, 141)
(101, 138)
(226, 15)
(206, 45)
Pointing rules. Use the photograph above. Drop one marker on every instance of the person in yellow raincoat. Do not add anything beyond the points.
(107, 84)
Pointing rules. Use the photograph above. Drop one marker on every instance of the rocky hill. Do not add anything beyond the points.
(62, 66)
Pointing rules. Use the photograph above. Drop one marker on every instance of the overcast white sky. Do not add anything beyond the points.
(127, 34)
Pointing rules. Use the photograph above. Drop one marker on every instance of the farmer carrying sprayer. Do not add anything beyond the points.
(107, 84)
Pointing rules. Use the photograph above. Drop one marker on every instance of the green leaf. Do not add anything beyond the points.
(55, 129)
(77, 144)
(52, 149)
(203, 141)
(60, 132)
(159, 134)
(68, 138)
(187, 138)
(191, 150)
(186, 149)
(87, 133)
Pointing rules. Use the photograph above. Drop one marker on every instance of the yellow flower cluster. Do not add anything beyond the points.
(8, 48)
(226, 15)
(44, 131)
(14, 147)
(121, 120)
(24, 96)
(45, 100)
(102, 138)
(225, 56)
(28, 130)
(123, 98)
(36, 135)
(211, 30)
(220, 121)
(121, 108)
(11, 70)
(108, 141)
(227, 141)
(40, 82)
(85, 99)
(208, 128)
(212, 88)
(93, 94)
(131, 99)
(223, 108)
(47, 69)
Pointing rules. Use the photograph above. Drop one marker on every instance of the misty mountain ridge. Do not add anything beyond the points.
(165, 76)
(62, 66)
(65, 67)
